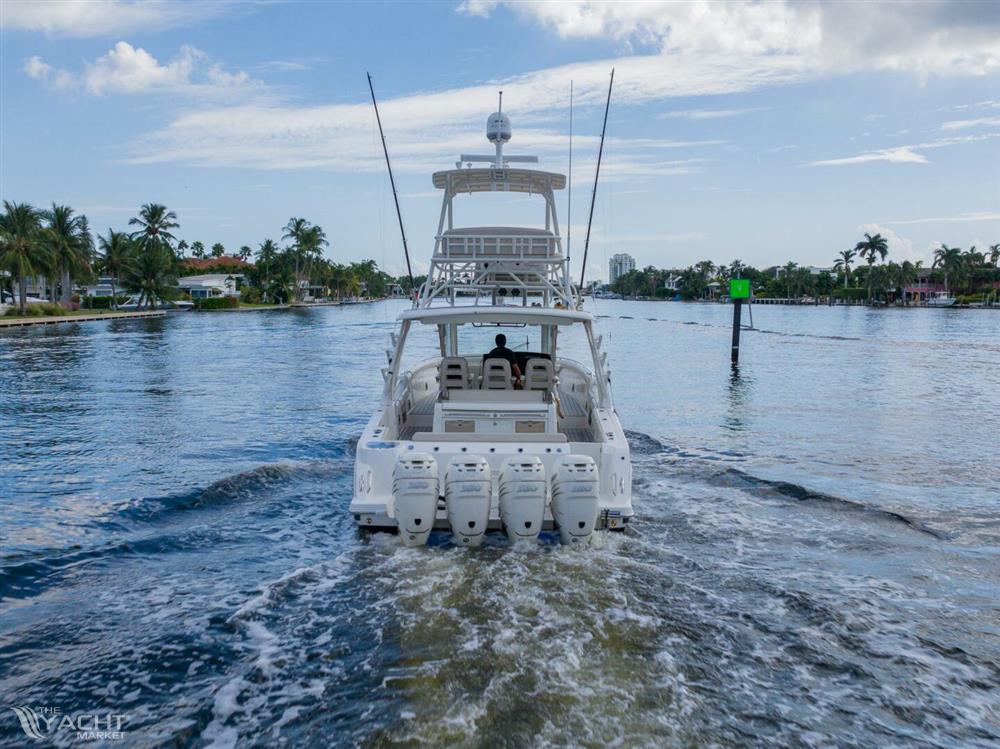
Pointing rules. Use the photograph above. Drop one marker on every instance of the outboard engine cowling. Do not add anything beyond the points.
(575, 491)
(467, 492)
(523, 492)
(415, 493)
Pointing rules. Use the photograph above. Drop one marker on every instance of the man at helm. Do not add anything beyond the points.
(502, 352)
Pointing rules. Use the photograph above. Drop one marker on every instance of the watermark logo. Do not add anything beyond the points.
(29, 722)
(41, 724)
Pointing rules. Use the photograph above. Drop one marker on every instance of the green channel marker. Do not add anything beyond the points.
(739, 288)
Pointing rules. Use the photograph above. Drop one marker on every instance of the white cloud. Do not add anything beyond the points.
(130, 70)
(428, 130)
(709, 114)
(963, 218)
(900, 248)
(901, 155)
(778, 149)
(35, 67)
(85, 18)
(965, 124)
(691, 236)
(125, 69)
(905, 154)
(986, 104)
(936, 37)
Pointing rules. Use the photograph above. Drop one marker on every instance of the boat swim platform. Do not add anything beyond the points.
(14, 322)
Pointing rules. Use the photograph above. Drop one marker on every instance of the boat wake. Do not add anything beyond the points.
(723, 618)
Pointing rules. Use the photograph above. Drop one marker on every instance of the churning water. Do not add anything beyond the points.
(816, 560)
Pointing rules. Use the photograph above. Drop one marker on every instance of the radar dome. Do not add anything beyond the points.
(498, 128)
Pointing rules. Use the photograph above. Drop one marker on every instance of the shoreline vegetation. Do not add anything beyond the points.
(859, 275)
(53, 253)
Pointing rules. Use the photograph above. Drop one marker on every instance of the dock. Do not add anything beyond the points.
(11, 322)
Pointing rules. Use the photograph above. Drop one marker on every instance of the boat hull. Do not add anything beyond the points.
(373, 504)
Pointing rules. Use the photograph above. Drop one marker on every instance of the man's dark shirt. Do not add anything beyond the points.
(502, 352)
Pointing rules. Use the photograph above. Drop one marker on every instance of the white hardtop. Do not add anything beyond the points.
(493, 262)
(495, 314)
(498, 180)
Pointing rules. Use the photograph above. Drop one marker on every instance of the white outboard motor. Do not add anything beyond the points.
(575, 491)
(415, 492)
(467, 493)
(522, 497)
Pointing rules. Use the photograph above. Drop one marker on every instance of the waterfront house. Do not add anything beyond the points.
(102, 287)
(924, 287)
(211, 285)
(672, 283)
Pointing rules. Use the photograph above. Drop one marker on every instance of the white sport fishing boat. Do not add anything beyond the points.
(459, 442)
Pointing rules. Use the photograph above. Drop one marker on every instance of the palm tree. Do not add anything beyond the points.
(314, 241)
(149, 271)
(198, 250)
(218, 250)
(22, 251)
(295, 230)
(116, 248)
(879, 278)
(903, 275)
(844, 264)
(182, 247)
(994, 254)
(154, 222)
(69, 243)
(789, 276)
(267, 253)
(870, 248)
(949, 259)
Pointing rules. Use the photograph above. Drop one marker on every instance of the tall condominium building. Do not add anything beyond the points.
(619, 265)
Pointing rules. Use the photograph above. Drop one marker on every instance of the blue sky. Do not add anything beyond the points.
(764, 132)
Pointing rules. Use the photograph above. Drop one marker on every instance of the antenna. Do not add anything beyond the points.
(395, 195)
(597, 174)
(500, 105)
(569, 196)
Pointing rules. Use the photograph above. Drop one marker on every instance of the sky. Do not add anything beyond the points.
(766, 132)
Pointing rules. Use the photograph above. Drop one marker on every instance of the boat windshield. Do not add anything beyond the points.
(471, 339)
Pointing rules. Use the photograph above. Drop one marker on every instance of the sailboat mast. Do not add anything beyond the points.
(392, 182)
(597, 174)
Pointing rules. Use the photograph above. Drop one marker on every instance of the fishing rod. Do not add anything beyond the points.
(597, 174)
(569, 197)
(392, 182)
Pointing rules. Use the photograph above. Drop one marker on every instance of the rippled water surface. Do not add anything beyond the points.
(816, 560)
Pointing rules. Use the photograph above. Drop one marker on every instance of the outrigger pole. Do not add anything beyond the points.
(392, 182)
(569, 199)
(597, 174)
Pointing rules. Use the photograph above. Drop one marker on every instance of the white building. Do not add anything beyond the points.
(672, 282)
(619, 265)
(102, 287)
(211, 285)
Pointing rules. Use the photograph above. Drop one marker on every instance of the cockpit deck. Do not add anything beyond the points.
(473, 398)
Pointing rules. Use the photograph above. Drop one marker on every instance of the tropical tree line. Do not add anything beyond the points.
(55, 249)
(859, 272)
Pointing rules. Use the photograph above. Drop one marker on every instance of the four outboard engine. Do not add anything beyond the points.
(523, 492)
(575, 491)
(468, 490)
(415, 490)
